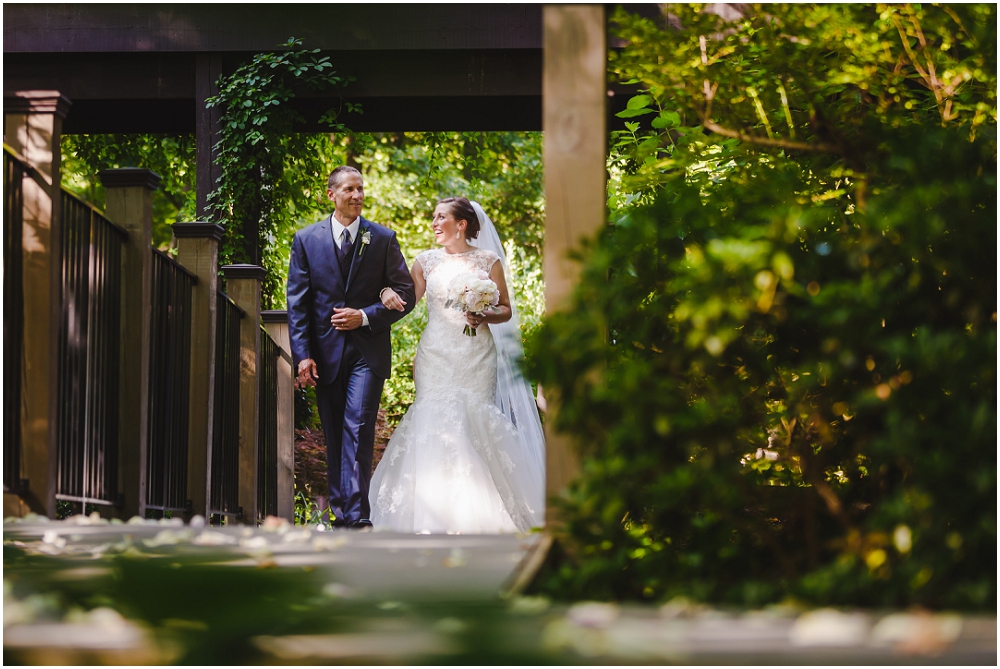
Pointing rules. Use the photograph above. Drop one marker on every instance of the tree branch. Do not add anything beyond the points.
(709, 91)
(711, 125)
(814, 477)
(942, 92)
(950, 12)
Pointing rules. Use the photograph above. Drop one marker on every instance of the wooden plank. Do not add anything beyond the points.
(574, 121)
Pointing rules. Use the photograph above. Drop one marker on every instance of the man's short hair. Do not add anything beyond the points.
(339, 172)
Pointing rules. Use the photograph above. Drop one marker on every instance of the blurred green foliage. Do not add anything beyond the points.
(780, 363)
(172, 157)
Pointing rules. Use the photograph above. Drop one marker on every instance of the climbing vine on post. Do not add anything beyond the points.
(269, 170)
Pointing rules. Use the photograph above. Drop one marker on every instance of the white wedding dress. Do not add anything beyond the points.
(455, 464)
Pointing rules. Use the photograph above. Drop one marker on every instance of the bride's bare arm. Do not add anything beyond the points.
(499, 313)
(391, 300)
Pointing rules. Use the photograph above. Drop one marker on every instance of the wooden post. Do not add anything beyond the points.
(130, 205)
(198, 251)
(574, 96)
(33, 129)
(243, 288)
(207, 70)
(276, 325)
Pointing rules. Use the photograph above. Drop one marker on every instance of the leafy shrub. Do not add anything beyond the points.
(780, 363)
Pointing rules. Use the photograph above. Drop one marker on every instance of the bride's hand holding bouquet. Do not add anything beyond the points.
(473, 294)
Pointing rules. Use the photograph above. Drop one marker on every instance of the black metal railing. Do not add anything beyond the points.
(169, 384)
(225, 438)
(13, 320)
(90, 330)
(267, 428)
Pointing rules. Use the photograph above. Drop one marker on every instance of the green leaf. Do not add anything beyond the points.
(632, 113)
(667, 119)
(639, 101)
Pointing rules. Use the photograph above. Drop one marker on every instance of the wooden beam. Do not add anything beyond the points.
(484, 114)
(378, 74)
(105, 76)
(141, 28)
(574, 97)
(466, 90)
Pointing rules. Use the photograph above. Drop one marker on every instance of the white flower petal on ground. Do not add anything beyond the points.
(593, 614)
(917, 633)
(829, 627)
(210, 538)
(169, 538)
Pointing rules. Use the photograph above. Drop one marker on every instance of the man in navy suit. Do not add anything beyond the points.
(339, 333)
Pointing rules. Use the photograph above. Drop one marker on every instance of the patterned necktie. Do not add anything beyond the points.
(346, 253)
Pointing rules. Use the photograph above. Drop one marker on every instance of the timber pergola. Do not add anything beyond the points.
(144, 68)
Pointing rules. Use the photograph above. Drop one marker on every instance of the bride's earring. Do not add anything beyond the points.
(457, 235)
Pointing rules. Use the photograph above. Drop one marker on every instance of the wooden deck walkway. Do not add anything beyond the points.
(371, 565)
(155, 593)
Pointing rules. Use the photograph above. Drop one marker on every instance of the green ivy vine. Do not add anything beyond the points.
(270, 171)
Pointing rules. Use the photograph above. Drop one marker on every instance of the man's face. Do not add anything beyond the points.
(348, 196)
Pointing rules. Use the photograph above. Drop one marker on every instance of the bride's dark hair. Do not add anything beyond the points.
(462, 210)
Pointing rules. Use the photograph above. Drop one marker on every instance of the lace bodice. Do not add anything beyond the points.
(477, 259)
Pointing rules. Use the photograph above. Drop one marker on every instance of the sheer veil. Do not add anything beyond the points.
(514, 397)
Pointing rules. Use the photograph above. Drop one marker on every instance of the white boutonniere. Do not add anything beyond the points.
(366, 239)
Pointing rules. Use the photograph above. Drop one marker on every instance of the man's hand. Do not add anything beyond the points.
(346, 319)
(308, 373)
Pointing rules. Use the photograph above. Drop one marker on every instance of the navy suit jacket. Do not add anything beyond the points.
(316, 285)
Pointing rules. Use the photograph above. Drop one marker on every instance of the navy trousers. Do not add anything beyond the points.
(348, 408)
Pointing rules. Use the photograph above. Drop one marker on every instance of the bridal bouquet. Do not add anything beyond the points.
(472, 293)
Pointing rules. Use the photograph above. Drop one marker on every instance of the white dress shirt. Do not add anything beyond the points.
(338, 229)
(338, 237)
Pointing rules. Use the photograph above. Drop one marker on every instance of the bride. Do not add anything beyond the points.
(468, 456)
